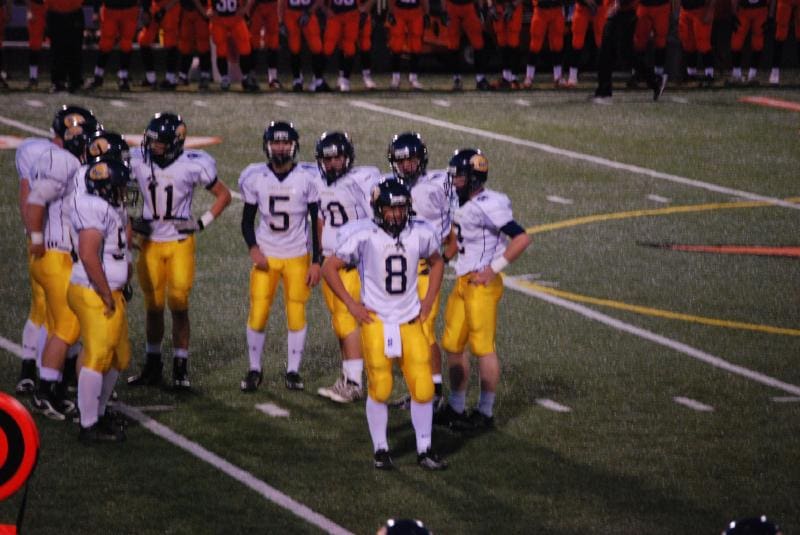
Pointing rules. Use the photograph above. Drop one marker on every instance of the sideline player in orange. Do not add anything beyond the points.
(160, 15)
(227, 22)
(694, 31)
(506, 18)
(264, 35)
(547, 21)
(406, 20)
(652, 18)
(118, 20)
(466, 15)
(587, 12)
(786, 12)
(749, 18)
(302, 24)
(194, 38)
(342, 18)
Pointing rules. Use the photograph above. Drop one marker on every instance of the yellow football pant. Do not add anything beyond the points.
(343, 322)
(38, 312)
(471, 315)
(52, 272)
(166, 273)
(105, 340)
(414, 362)
(293, 272)
(423, 282)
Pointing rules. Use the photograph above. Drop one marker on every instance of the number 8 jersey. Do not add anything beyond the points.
(168, 192)
(388, 266)
(282, 205)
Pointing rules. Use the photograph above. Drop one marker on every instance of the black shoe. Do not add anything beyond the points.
(180, 374)
(483, 85)
(183, 79)
(249, 85)
(428, 460)
(658, 84)
(294, 381)
(101, 432)
(95, 83)
(33, 83)
(251, 381)
(458, 85)
(322, 87)
(403, 402)
(124, 85)
(166, 85)
(204, 84)
(58, 88)
(382, 460)
(148, 85)
(151, 372)
(297, 87)
(27, 377)
(51, 405)
(448, 417)
(275, 84)
(479, 421)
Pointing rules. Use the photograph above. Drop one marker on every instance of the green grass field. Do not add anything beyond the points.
(623, 331)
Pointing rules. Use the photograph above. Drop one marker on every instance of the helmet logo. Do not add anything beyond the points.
(280, 135)
(479, 163)
(402, 152)
(180, 132)
(330, 151)
(99, 146)
(99, 171)
(74, 125)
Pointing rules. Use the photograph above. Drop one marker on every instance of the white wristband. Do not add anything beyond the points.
(206, 219)
(498, 264)
(37, 238)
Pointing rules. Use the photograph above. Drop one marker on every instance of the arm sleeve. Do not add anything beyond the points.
(249, 224)
(316, 254)
(512, 229)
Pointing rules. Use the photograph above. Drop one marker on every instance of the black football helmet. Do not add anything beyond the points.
(74, 124)
(331, 144)
(404, 146)
(111, 144)
(108, 178)
(759, 525)
(405, 526)
(281, 131)
(471, 164)
(389, 193)
(169, 129)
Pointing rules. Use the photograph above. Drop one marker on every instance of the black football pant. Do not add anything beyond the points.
(618, 28)
(66, 48)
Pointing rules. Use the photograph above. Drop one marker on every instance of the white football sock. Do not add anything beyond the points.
(30, 334)
(422, 420)
(255, 346)
(90, 385)
(353, 369)
(296, 341)
(109, 380)
(378, 420)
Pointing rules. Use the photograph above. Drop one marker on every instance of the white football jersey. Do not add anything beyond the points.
(283, 229)
(345, 200)
(167, 193)
(27, 154)
(387, 266)
(54, 170)
(478, 223)
(93, 212)
(432, 200)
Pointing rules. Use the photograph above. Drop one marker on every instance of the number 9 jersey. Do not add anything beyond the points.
(168, 192)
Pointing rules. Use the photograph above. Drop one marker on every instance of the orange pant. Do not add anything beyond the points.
(653, 19)
(783, 16)
(233, 26)
(695, 34)
(750, 19)
(341, 30)
(365, 36)
(264, 18)
(507, 32)
(406, 33)
(310, 32)
(194, 33)
(547, 21)
(117, 24)
(36, 25)
(464, 16)
(580, 25)
(169, 24)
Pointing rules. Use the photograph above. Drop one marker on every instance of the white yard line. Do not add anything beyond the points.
(786, 399)
(33, 103)
(550, 149)
(440, 102)
(658, 198)
(242, 476)
(270, 409)
(24, 127)
(554, 406)
(558, 200)
(693, 404)
(702, 356)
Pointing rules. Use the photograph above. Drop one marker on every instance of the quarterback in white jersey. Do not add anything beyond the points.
(95, 293)
(387, 251)
(431, 196)
(167, 176)
(483, 225)
(47, 219)
(283, 194)
(344, 192)
(34, 333)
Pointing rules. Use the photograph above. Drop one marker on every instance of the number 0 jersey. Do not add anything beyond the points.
(93, 212)
(282, 206)
(478, 223)
(347, 199)
(168, 192)
(388, 266)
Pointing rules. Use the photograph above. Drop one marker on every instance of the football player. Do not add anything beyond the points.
(342, 21)
(406, 20)
(167, 175)
(118, 20)
(283, 193)
(587, 13)
(95, 294)
(161, 17)
(265, 35)
(387, 250)
(302, 24)
(466, 16)
(652, 18)
(694, 31)
(433, 202)
(344, 193)
(365, 41)
(47, 220)
(194, 38)
(227, 23)
(488, 239)
(547, 21)
(506, 18)
(786, 12)
(750, 18)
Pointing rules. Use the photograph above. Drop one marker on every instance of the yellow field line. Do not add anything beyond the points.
(649, 311)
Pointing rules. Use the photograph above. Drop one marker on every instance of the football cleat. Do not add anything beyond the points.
(297, 86)
(428, 460)
(483, 85)
(251, 381)
(416, 85)
(479, 421)
(775, 77)
(180, 374)
(321, 87)
(403, 403)
(124, 85)
(344, 84)
(151, 372)
(204, 84)
(27, 377)
(101, 431)
(166, 85)
(369, 83)
(148, 85)
(342, 391)
(250, 85)
(458, 85)
(294, 381)
(382, 460)
(52, 406)
(225, 85)
(275, 84)
(95, 83)
(448, 417)
(527, 83)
